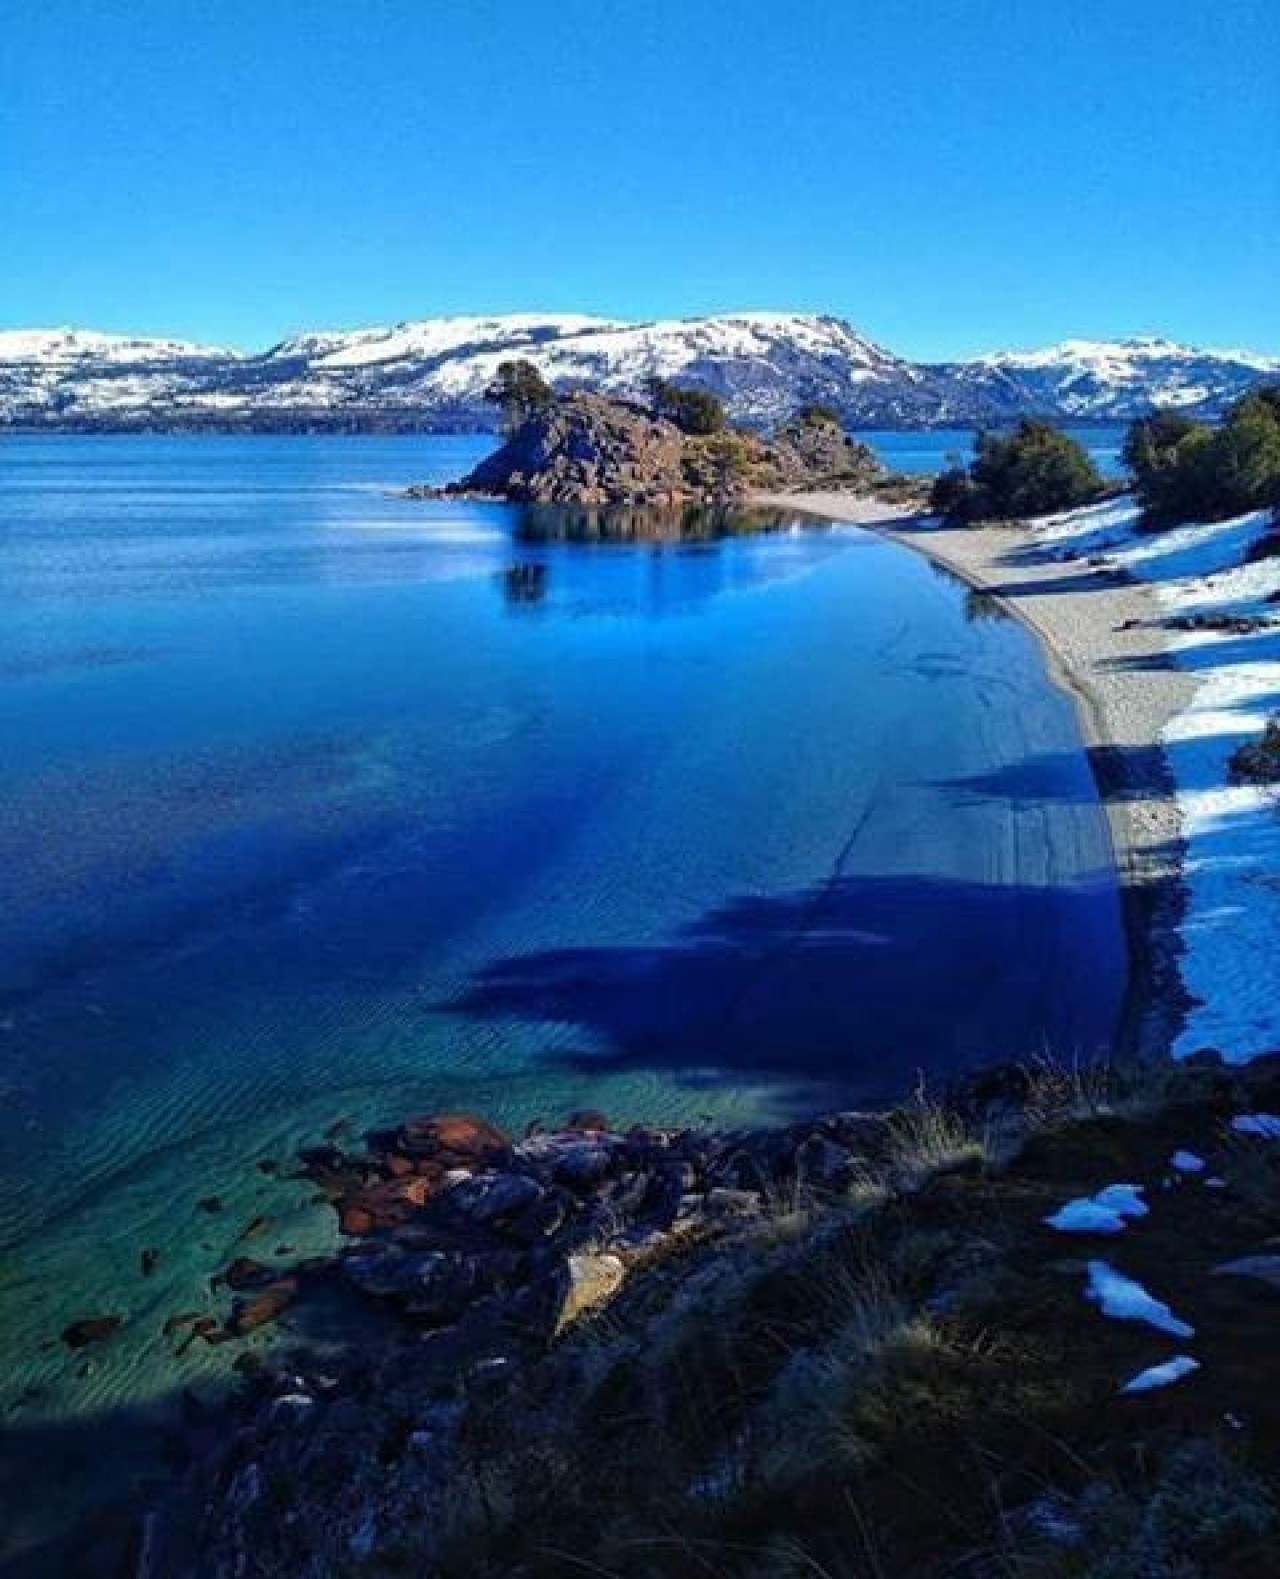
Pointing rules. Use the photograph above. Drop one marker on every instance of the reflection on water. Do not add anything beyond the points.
(525, 585)
(980, 605)
(649, 523)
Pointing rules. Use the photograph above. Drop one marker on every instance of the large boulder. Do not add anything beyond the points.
(586, 450)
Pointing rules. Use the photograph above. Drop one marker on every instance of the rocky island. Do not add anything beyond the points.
(590, 449)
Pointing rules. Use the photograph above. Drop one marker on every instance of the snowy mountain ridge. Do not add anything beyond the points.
(1103, 378)
(432, 372)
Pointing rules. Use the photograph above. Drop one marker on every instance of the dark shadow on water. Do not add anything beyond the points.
(82, 1481)
(75, 1489)
(1125, 773)
(836, 994)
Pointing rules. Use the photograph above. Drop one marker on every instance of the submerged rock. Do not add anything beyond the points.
(244, 1272)
(266, 1305)
(90, 1329)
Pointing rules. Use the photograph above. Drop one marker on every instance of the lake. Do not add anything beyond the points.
(319, 802)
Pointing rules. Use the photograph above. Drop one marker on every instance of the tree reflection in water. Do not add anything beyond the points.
(648, 523)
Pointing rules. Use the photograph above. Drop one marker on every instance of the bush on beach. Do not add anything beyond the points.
(1035, 470)
(1259, 761)
(1188, 471)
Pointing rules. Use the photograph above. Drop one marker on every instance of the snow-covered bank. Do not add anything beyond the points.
(1231, 929)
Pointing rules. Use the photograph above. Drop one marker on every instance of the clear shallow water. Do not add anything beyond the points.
(316, 802)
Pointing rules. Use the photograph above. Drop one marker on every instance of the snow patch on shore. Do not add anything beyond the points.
(1123, 1299)
(1156, 1376)
(1232, 926)
(1106, 1212)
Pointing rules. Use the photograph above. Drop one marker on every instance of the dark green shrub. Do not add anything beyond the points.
(1034, 470)
(694, 411)
(1188, 471)
(952, 495)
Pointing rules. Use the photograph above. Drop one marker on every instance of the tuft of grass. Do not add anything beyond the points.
(925, 1138)
(1057, 1092)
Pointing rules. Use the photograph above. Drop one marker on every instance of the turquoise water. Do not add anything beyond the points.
(316, 802)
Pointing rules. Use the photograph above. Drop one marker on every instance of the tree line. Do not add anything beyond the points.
(1180, 469)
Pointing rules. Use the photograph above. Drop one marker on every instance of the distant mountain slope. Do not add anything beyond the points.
(433, 372)
(1120, 378)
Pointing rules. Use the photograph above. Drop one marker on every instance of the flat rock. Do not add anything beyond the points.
(264, 1306)
(453, 1140)
(591, 1281)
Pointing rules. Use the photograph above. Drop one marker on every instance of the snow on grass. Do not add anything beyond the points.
(1162, 1375)
(1085, 1216)
(1232, 925)
(1265, 1125)
(1106, 1212)
(1124, 1199)
(1123, 1299)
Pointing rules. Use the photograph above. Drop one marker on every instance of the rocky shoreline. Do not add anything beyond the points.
(466, 1252)
(483, 1273)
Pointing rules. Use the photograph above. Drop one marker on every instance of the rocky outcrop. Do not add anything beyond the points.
(590, 450)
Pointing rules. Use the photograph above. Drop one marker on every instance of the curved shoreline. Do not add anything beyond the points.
(1104, 645)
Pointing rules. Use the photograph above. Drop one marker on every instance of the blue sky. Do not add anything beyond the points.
(952, 175)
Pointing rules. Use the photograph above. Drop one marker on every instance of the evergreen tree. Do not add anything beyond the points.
(1187, 471)
(694, 411)
(520, 390)
(1033, 471)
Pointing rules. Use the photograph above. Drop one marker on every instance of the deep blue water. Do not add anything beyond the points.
(310, 807)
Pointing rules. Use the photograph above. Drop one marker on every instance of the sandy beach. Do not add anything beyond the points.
(1103, 638)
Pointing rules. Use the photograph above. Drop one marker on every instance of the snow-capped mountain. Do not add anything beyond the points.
(1120, 378)
(763, 364)
(433, 373)
(80, 377)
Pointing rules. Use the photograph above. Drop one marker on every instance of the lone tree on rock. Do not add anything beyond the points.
(694, 411)
(815, 415)
(520, 390)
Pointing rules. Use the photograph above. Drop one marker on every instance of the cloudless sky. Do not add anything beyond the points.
(951, 175)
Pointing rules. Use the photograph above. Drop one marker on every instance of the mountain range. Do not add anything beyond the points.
(432, 373)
